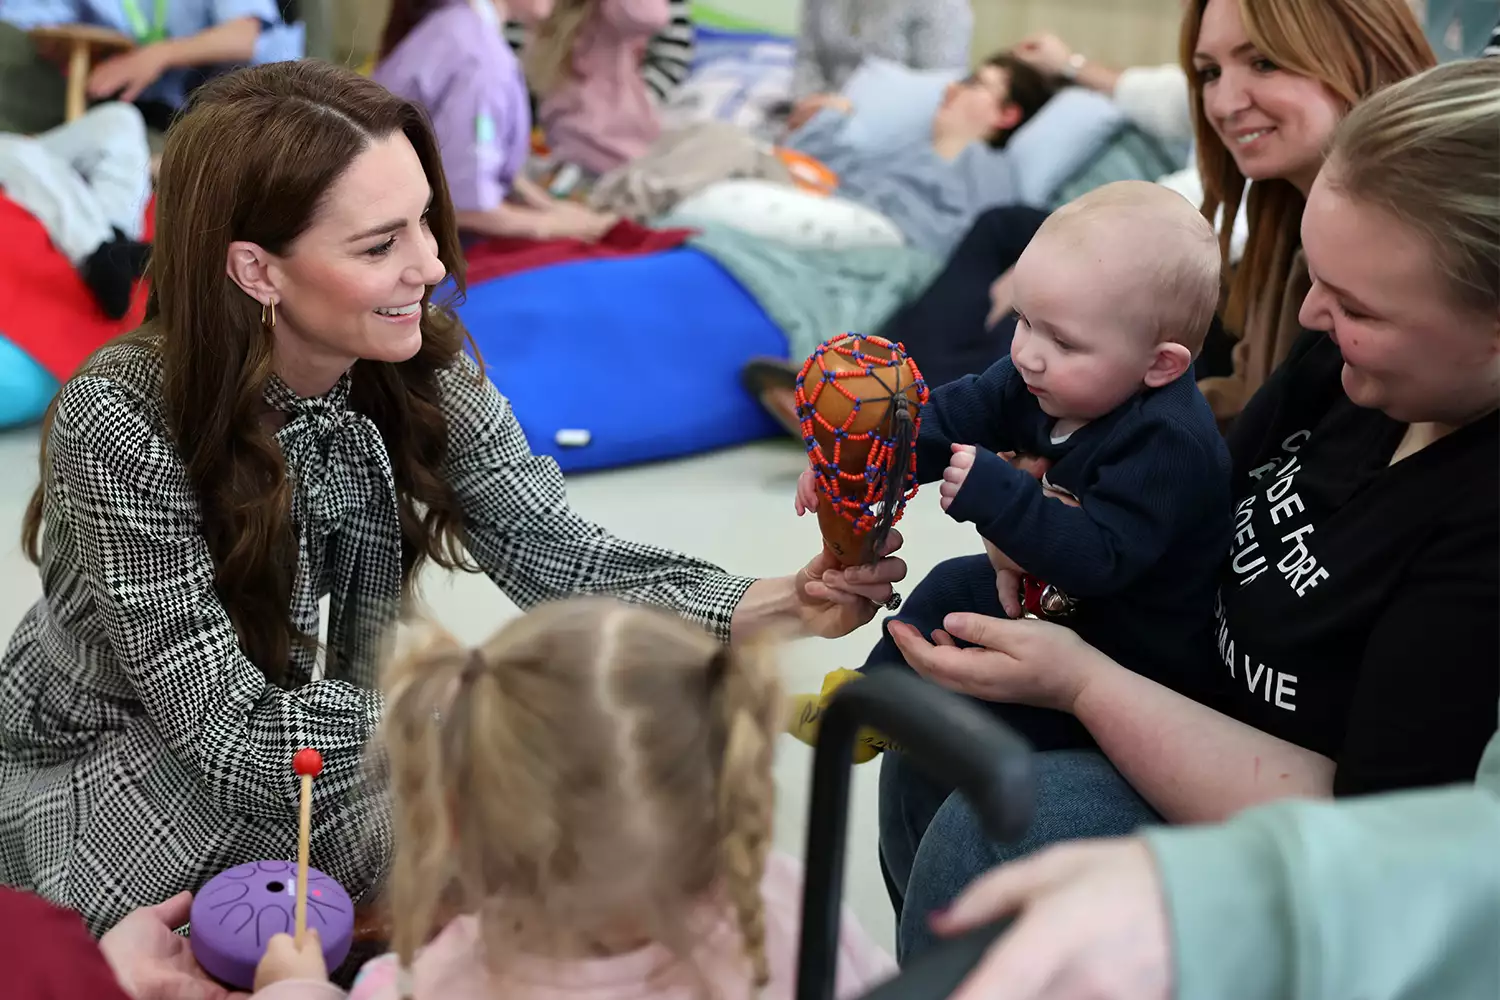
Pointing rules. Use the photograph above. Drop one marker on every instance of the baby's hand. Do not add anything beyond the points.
(284, 960)
(957, 471)
(807, 492)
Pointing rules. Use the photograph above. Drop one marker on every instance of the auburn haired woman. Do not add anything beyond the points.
(296, 419)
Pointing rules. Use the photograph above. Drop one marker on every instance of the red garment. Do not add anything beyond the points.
(500, 255)
(49, 954)
(47, 310)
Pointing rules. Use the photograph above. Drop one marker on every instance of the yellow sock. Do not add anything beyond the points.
(805, 712)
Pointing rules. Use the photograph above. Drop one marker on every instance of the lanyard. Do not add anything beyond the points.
(146, 33)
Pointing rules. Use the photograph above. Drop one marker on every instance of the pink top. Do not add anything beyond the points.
(602, 115)
(450, 967)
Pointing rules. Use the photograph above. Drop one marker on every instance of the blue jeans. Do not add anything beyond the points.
(933, 846)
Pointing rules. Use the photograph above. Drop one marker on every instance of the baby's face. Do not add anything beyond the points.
(1079, 344)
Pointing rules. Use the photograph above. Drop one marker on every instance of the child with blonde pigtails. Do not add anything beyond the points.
(583, 808)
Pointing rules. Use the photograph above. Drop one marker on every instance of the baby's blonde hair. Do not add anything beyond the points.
(1144, 231)
(594, 766)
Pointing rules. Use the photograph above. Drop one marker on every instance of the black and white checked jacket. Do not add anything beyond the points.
(669, 55)
(141, 753)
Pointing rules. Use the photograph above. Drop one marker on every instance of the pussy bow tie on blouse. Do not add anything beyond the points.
(335, 456)
(342, 483)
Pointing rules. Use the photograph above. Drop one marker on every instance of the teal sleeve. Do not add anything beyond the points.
(1395, 897)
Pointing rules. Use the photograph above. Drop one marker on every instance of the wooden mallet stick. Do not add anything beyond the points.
(308, 764)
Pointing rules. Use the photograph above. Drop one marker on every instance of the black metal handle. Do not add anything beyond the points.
(946, 732)
(939, 970)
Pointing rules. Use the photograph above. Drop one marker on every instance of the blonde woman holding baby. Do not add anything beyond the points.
(1357, 624)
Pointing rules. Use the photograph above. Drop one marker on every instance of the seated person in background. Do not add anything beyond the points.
(87, 183)
(179, 43)
(669, 54)
(1114, 296)
(449, 56)
(584, 64)
(934, 187)
(837, 35)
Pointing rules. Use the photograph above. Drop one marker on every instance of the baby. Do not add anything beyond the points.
(1113, 298)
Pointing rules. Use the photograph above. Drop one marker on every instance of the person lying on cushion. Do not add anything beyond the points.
(934, 187)
(87, 183)
(178, 43)
(450, 57)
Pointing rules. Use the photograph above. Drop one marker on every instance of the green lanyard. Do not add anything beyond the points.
(145, 33)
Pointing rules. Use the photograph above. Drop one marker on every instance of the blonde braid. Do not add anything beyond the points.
(420, 681)
(748, 697)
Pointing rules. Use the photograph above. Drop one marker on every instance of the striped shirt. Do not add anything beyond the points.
(669, 57)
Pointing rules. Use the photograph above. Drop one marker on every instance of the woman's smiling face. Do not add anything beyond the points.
(352, 286)
(1274, 123)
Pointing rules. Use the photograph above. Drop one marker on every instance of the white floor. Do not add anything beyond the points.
(733, 507)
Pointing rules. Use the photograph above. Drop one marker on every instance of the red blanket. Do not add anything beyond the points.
(47, 310)
(498, 256)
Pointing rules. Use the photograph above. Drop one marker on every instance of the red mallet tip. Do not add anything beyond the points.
(308, 763)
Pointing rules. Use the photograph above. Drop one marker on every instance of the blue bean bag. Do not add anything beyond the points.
(25, 387)
(638, 356)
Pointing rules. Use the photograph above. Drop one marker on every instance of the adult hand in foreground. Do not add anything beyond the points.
(1090, 923)
(152, 962)
(1025, 662)
(832, 602)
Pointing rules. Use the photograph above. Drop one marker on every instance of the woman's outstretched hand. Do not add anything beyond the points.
(833, 602)
(1090, 924)
(1023, 662)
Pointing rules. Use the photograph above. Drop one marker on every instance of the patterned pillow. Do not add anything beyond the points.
(737, 78)
(785, 214)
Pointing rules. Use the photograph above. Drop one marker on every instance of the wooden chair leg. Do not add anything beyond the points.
(78, 80)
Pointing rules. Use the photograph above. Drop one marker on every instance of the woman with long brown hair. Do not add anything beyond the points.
(297, 419)
(1262, 117)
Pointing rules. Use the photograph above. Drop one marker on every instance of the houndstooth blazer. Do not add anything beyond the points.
(141, 753)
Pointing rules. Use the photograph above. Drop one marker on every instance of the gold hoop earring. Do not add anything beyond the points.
(268, 314)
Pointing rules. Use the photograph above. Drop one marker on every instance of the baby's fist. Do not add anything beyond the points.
(284, 960)
(957, 471)
(807, 492)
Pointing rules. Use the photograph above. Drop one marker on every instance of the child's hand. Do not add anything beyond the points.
(957, 471)
(807, 492)
(1007, 579)
(284, 960)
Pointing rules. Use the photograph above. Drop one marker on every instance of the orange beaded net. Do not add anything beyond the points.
(859, 400)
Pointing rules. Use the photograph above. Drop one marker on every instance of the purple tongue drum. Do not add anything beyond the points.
(237, 913)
